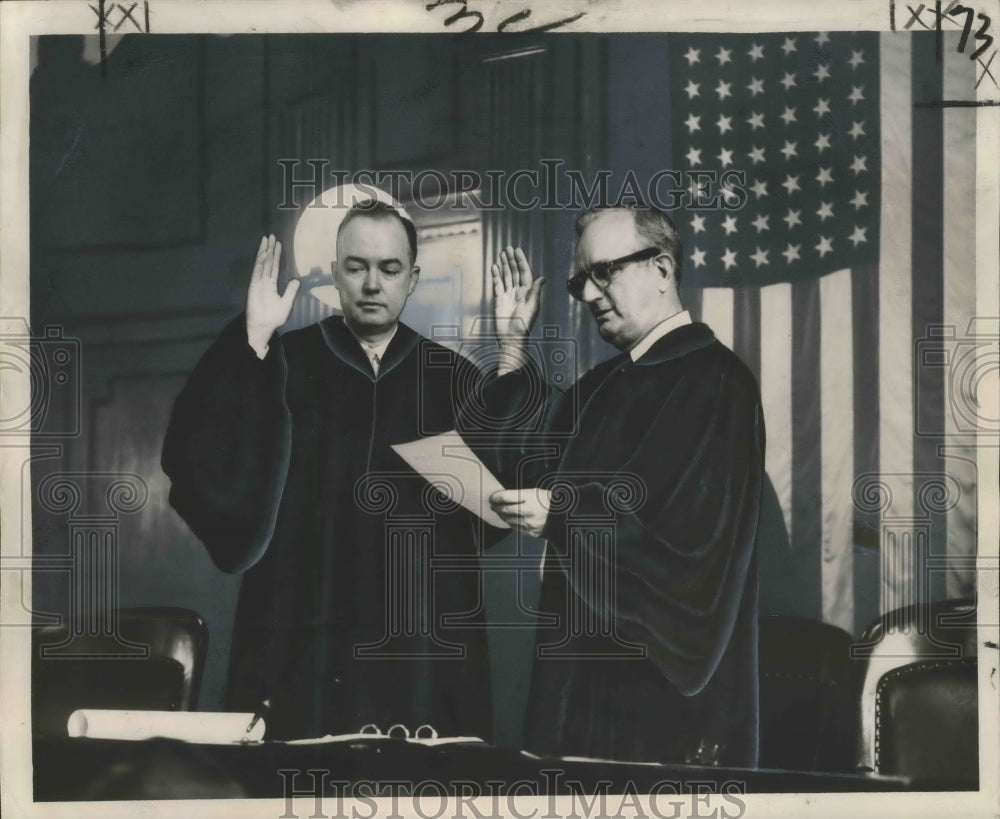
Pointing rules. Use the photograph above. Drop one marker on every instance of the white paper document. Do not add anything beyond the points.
(215, 728)
(447, 462)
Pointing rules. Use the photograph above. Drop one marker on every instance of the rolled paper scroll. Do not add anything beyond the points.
(190, 726)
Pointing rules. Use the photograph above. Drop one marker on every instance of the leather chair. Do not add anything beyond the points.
(927, 724)
(941, 631)
(153, 659)
(808, 695)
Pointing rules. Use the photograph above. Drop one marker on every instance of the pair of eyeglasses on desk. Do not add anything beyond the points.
(424, 735)
(399, 731)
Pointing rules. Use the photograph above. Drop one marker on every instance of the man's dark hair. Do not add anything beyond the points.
(377, 209)
(651, 223)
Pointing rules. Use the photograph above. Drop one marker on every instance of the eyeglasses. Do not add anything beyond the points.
(601, 273)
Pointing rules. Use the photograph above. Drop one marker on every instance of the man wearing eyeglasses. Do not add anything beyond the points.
(649, 511)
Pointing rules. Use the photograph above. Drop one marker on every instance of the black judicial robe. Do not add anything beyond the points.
(650, 551)
(283, 468)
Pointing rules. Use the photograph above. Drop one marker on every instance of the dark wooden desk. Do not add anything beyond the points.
(64, 770)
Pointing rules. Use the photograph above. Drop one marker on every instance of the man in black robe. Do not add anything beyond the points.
(279, 456)
(649, 509)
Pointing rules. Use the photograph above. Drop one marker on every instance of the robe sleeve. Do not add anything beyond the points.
(503, 416)
(685, 508)
(227, 446)
(494, 411)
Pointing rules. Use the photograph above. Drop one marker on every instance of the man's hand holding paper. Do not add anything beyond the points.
(523, 509)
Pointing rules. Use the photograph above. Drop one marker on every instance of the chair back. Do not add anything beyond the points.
(807, 695)
(941, 631)
(927, 724)
(140, 658)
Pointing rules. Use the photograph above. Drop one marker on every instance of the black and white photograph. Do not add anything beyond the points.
(452, 408)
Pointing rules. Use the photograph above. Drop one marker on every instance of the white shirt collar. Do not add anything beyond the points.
(377, 349)
(658, 332)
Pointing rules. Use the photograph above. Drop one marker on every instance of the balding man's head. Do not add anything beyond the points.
(628, 270)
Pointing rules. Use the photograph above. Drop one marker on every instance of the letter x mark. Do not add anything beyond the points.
(104, 17)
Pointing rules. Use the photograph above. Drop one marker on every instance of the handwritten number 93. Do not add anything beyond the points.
(981, 35)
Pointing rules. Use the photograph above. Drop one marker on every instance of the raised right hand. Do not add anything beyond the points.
(516, 293)
(266, 310)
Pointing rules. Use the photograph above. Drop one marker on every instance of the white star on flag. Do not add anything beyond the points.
(698, 257)
(858, 236)
(724, 56)
(824, 246)
(825, 211)
(860, 200)
(825, 176)
(756, 154)
(789, 45)
(791, 252)
(760, 257)
(729, 224)
(761, 222)
(822, 107)
(729, 258)
(756, 52)
(694, 156)
(822, 142)
(791, 184)
(755, 120)
(759, 188)
(692, 89)
(756, 86)
(722, 89)
(858, 165)
(792, 219)
(856, 94)
(692, 55)
(789, 115)
(790, 149)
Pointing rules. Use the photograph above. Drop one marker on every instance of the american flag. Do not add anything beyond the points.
(852, 256)
(798, 114)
